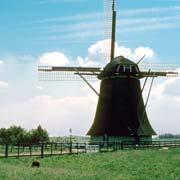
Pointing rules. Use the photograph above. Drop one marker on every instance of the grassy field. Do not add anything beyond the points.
(121, 165)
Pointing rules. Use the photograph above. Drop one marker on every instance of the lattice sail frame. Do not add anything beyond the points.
(156, 70)
(108, 29)
(61, 73)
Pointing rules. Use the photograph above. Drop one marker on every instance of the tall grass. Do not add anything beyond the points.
(121, 165)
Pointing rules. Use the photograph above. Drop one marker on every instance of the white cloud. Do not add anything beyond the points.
(95, 57)
(78, 31)
(77, 27)
(164, 113)
(93, 15)
(39, 88)
(98, 52)
(3, 84)
(55, 114)
(1, 62)
(141, 51)
(168, 87)
(164, 105)
(89, 92)
(156, 26)
(123, 51)
(146, 20)
(77, 17)
(53, 59)
(150, 10)
(134, 54)
(86, 62)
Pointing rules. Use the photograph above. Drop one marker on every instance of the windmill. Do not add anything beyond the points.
(121, 111)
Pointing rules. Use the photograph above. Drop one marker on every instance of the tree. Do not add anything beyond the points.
(39, 135)
(16, 134)
(166, 135)
(4, 138)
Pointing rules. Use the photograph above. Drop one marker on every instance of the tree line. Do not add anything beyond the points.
(17, 134)
(168, 135)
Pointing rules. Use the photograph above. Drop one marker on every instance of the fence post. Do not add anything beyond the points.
(70, 148)
(6, 150)
(42, 150)
(115, 146)
(61, 148)
(30, 149)
(121, 145)
(51, 148)
(85, 148)
(18, 150)
(77, 148)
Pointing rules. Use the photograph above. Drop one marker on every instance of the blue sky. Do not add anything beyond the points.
(32, 27)
(29, 30)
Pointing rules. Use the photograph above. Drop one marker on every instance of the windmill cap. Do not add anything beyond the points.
(120, 60)
(113, 67)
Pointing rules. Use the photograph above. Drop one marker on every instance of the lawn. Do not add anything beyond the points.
(121, 165)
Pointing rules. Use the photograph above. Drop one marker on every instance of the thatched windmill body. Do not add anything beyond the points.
(121, 111)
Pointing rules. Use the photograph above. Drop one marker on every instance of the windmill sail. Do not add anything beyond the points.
(61, 73)
(110, 28)
(156, 70)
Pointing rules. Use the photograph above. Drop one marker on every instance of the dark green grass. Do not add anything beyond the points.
(121, 165)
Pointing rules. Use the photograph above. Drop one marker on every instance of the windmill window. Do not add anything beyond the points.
(135, 69)
(127, 68)
(119, 69)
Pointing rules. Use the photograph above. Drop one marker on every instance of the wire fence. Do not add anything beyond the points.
(51, 149)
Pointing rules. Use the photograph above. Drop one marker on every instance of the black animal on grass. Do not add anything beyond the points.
(35, 163)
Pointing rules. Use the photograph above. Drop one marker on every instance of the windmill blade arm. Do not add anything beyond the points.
(60, 73)
(156, 70)
(159, 73)
(66, 68)
(88, 74)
